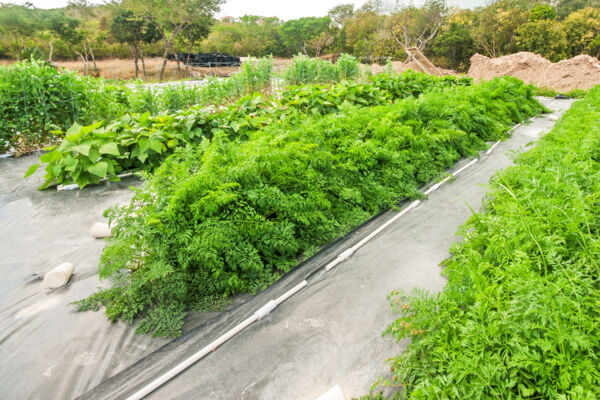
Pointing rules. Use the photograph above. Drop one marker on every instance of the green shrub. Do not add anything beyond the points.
(520, 315)
(305, 70)
(230, 216)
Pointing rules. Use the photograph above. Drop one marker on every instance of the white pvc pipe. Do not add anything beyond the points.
(346, 254)
(487, 153)
(258, 314)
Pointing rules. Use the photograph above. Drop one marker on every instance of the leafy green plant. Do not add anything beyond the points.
(141, 141)
(304, 70)
(144, 140)
(38, 99)
(519, 317)
(231, 214)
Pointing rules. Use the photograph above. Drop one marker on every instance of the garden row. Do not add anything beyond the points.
(231, 215)
(142, 141)
(38, 99)
(520, 315)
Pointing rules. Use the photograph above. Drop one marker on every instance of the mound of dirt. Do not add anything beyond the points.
(581, 72)
(376, 69)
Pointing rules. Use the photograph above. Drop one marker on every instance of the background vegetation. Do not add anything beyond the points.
(450, 36)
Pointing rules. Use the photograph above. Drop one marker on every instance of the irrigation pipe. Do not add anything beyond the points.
(272, 304)
(259, 314)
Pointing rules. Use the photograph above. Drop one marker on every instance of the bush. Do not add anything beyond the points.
(519, 317)
(230, 216)
(304, 70)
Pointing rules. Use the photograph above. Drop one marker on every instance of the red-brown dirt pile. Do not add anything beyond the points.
(580, 72)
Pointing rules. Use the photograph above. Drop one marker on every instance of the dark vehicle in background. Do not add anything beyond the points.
(207, 59)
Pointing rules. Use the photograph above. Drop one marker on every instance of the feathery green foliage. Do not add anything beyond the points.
(520, 315)
(231, 215)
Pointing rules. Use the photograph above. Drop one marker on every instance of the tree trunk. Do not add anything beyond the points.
(143, 63)
(178, 65)
(51, 51)
(84, 62)
(96, 71)
(135, 60)
(164, 63)
(187, 64)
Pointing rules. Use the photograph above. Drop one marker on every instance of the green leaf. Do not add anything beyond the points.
(94, 155)
(142, 157)
(74, 129)
(31, 170)
(83, 149)
(154, 145)
(110, 148)
(98, 169)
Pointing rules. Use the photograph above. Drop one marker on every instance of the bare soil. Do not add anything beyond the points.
(117, 68)
(580, 72)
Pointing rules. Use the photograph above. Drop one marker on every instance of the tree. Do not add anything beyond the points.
(172, 17)
(582, 28)
(18, 22)
(361, 33)
(544, 37)
(414, 26)
(542, 11)
(297, 33)
(317, 44)
(566, 7)
(133, 30)
(68, 30)
(252, 35)
(195, 32)
(454, 46)
(340, 14)
(494, 28)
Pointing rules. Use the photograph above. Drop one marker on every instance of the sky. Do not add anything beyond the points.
(284, 9)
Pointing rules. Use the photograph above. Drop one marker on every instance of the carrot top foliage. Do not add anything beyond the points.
(232, 214)
(520, 315)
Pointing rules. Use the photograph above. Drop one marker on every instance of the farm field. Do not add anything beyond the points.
(377, 200)
(322, 319)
